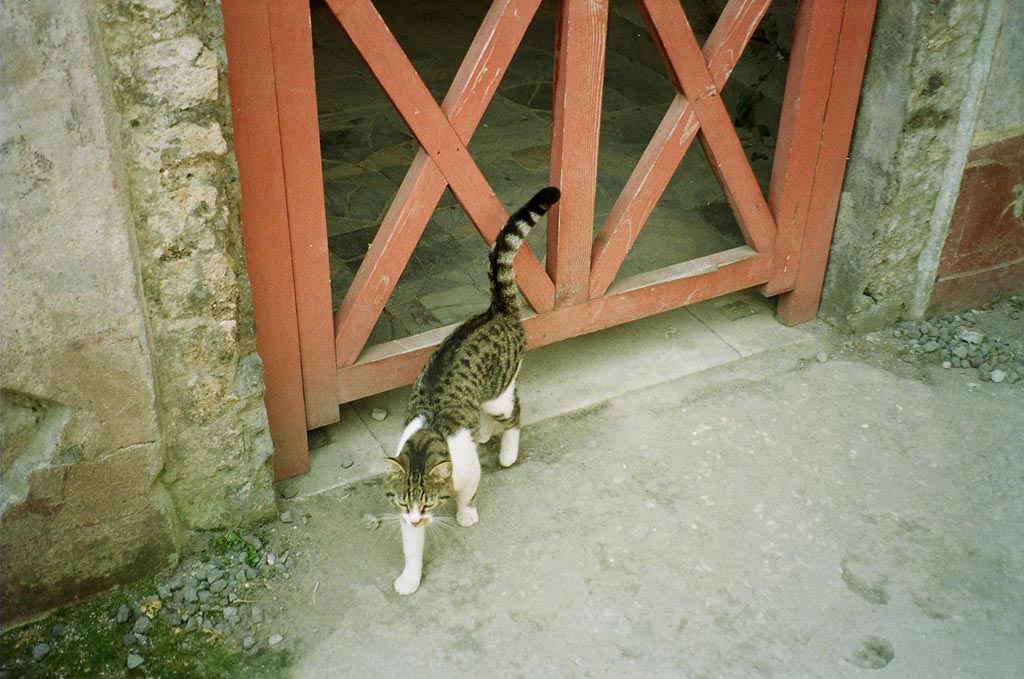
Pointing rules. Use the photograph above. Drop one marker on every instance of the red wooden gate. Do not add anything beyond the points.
(312, 366)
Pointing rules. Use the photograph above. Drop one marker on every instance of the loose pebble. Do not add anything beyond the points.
(123, 614)
(275, 639)
(135, 660)
(286, 517)
(40, 651)
(822, 357)
(142, 625)
(379, 414)
(997, 376)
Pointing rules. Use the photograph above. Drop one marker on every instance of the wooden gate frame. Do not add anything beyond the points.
(312, 364)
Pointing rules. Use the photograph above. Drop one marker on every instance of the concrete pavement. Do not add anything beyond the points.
(698, 495)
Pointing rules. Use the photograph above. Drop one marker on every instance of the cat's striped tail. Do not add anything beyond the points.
(511, 236)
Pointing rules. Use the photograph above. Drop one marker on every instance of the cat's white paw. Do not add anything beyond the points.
(507, 458)
(509, 448)
(467, 517)
(406, 584)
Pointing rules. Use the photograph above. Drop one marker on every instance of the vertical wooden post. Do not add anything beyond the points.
(811, 62)
(265, 227)
(575, 132)
(295, 86)
(801, 303)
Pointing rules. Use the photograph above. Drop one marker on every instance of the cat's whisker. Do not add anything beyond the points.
(445, 527)
(389, 518)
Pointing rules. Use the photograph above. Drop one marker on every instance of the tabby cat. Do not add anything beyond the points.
(468, 383)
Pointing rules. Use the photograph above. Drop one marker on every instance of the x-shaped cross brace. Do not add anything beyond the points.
(442, 132)
(696, 109)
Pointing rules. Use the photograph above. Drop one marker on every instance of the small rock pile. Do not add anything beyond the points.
(211, 593)
(955, 342)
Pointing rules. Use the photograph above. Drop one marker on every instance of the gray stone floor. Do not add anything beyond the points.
(704, 494)
(367, 149)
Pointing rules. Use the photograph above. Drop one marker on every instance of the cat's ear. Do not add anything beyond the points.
(442, 471)
(393, 465)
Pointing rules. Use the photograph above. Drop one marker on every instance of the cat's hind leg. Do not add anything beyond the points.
(486, 428)
(465, 475)
(505, 409)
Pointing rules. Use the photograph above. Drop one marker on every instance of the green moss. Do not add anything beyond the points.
(92, 646)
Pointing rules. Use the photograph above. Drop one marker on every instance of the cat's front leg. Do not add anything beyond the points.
(412, 546)
(465, 475)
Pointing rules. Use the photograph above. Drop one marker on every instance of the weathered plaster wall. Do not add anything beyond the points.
(983, 256)
(82, 504)
(926, 71)
(132, 395)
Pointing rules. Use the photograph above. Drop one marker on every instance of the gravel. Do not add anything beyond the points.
(966, 342)
(214, 591)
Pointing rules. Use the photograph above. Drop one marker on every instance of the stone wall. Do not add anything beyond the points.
(927, 68)
(167, 67)
(132, 395)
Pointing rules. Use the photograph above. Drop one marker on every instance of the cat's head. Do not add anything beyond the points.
(419, 480)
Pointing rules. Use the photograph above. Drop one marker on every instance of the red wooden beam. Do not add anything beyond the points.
(295, 86)
(265, 237)
(811, 62)
(671, 31)
(801, 304)
(472, 89)
(668, 146)
(575, 132)
(394, 364)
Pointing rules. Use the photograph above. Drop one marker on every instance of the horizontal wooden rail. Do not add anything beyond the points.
(396, 363)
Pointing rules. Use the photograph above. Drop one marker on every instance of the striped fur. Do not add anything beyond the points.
(502, 278)
(470, 377)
